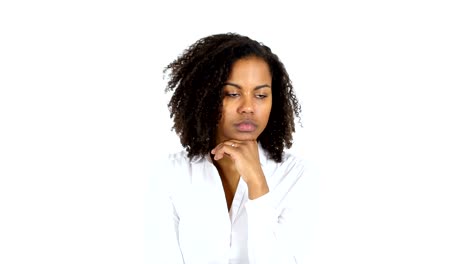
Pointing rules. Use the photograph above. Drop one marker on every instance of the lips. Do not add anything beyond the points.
(246, 126)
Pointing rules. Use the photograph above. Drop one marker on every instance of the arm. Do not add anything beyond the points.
(278, 235)
(279, 226)
(161, 221)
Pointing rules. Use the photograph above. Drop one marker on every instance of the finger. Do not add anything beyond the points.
(226, 148)
(218, 151)
(215, 149)
(218, 156)
(230, 143)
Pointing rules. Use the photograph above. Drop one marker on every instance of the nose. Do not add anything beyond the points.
(246, 105)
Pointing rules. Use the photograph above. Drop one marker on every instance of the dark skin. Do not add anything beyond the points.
(228, 168)
(246, 108)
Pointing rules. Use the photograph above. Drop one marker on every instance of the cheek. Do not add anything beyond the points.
(225, 117)
(221, 121)
(267, 110)
(227, 111)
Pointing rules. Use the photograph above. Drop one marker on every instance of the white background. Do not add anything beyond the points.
(83, 113)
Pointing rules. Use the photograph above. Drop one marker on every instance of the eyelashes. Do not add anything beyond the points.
(234, 95)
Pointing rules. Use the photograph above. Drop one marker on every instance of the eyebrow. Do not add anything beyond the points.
(256, 87)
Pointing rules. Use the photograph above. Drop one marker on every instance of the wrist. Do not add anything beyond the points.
(257, 188)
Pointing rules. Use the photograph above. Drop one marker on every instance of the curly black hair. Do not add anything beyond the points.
(197, 78)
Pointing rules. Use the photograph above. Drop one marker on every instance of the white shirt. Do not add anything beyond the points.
(195, 226)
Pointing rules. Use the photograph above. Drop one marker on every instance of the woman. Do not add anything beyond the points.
(234, 195)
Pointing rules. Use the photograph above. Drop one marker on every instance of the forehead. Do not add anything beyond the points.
(251, 68)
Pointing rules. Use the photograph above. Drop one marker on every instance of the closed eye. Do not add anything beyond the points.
(261, 96)
(232, 94)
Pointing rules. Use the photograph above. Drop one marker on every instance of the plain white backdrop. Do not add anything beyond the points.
(83, 114)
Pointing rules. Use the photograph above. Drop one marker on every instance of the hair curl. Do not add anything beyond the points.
(197, 77)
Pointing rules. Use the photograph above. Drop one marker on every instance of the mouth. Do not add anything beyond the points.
(246, 126)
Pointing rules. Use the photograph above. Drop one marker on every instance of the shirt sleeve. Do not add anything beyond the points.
(161, 221)
(282, 234)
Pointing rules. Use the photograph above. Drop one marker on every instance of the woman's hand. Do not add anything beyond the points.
(246, 159)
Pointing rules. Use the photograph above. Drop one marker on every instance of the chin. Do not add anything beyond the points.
(245, 137)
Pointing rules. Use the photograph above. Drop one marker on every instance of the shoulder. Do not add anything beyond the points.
(166, 168)
(292, 180)
(305, 170)
(292, 160)
(291, 170)
(178, 159)
(305, 164)
(291, 165)
(175, 164)
(177, 169)
(174, 160)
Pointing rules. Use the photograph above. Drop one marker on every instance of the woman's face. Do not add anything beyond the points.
(247, 101)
